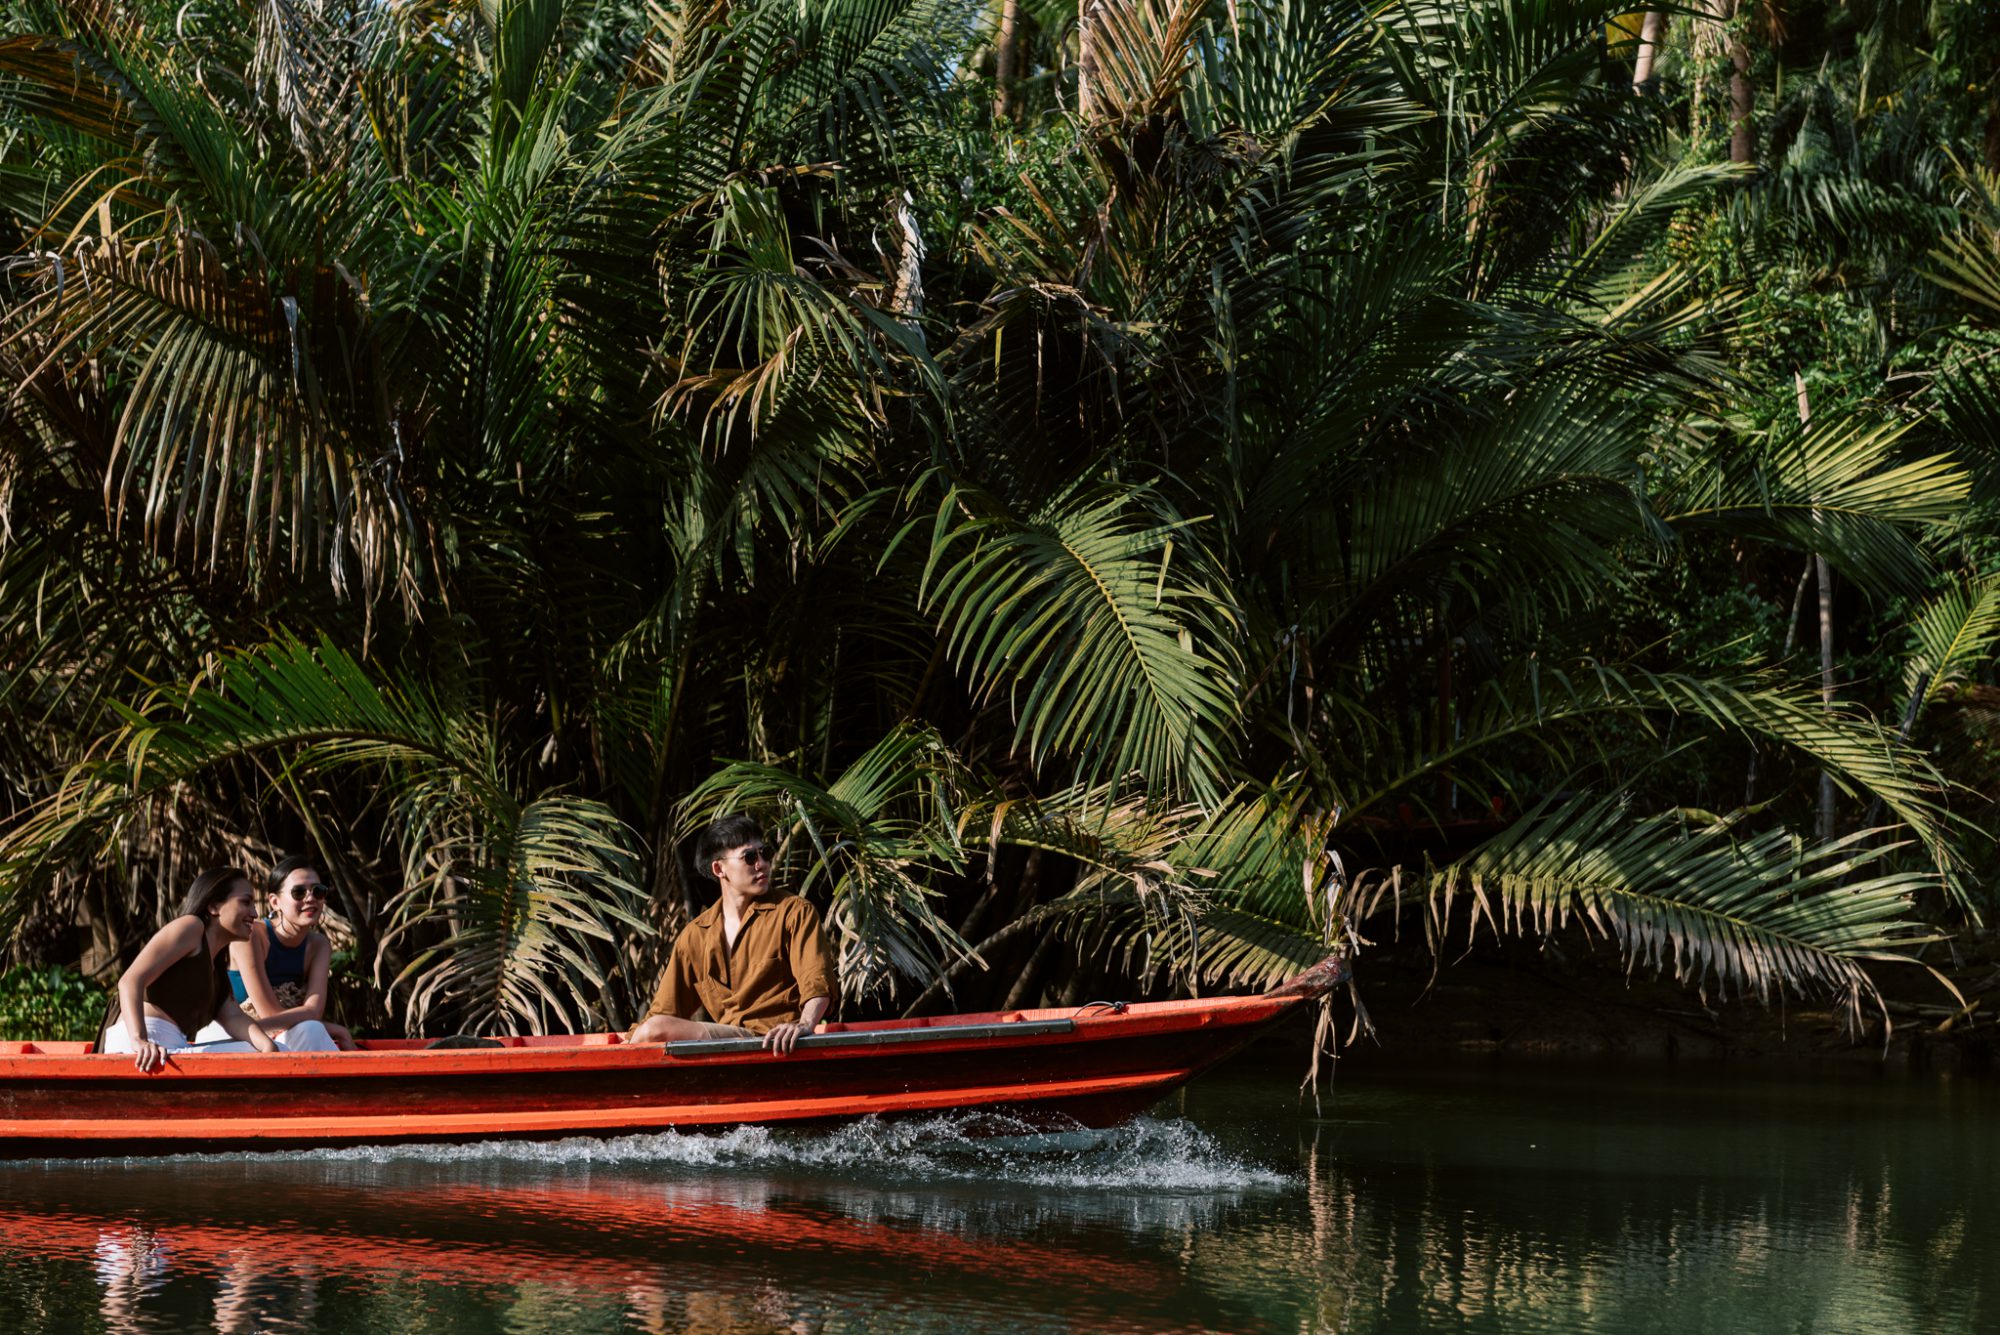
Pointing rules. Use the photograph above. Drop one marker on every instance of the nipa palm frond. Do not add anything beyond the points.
(1839, 488)
(511, 910)
(1283, 900)
(1521, 707)
(1966, 266)
(1239, 947)
(1743, 913)
(1134, 55)
(1099, 620)
(1134, 887)
(1955, 633)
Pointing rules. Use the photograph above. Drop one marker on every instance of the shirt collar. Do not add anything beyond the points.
(711, 917)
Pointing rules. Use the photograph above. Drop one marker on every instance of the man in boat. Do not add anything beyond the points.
(756, 964)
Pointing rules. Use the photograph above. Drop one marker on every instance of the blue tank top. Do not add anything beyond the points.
(282, 964)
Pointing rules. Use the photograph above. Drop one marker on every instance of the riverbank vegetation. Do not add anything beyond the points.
(1065, 467)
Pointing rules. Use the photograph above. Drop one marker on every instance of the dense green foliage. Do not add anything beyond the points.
(52, 1002)
(478, 441)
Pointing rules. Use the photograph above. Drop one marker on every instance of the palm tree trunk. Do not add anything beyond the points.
(1089, 965)
(1006, 59)
(101, 956)
(1651, 31)
(906, 298)
(1742, 100)
(1825, 687)
(1478, 189)
(1028, 984)
(1447, 791)
(1791, 642)
(1825, 578)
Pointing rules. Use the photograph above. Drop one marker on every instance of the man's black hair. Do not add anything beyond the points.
(276, 880)
(721, 836)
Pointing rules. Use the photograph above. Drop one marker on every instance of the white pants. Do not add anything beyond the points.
(305, 1036)
(169, 1036)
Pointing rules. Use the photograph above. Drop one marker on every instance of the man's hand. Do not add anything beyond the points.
(148, 1055)
(782, 1038)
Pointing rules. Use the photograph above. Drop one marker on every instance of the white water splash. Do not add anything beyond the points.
(1145, 1155)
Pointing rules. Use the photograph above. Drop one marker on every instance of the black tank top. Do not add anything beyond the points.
(190, 989)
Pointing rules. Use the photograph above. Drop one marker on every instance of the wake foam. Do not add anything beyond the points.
(1147, 1154)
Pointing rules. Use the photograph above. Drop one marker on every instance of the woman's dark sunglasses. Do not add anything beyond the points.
(301, 893)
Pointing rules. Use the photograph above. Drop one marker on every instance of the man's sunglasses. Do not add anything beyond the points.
(752, 856)
(301, 893)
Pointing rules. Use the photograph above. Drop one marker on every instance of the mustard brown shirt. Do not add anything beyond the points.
(779, 963)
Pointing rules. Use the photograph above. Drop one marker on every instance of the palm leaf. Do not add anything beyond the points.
(1139, 52)
(511, 907)
(1839, 489)
(1136, 891)
(1530, 705)
(1099, 620)
(1243, 948)
(1967, 266)
(1956, 633)
(1744, 913)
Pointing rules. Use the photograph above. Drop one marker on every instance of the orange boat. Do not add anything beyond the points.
(1093, 1067)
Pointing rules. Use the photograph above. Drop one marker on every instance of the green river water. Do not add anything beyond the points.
(1468, 1197)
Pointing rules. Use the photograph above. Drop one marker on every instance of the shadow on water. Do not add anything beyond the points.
(1461, 1198)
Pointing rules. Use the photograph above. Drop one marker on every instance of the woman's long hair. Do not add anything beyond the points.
(209, 889)
(276, 880)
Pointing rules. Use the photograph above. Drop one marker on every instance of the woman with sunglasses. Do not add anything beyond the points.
(278, 973)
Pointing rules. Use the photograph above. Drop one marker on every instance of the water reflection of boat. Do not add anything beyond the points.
(630, 1239)
(1095, 1066)
(479, 1232)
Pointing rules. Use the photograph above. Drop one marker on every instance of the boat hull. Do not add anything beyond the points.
(1090, 1068)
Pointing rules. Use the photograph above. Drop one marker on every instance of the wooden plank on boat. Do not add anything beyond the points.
(959, 1033)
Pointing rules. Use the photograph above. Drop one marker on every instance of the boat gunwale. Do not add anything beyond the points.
(992, 1030)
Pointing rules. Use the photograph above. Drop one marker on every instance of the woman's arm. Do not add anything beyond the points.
(240, 1026)
(319, 957)
(176, 940)
(248, 958)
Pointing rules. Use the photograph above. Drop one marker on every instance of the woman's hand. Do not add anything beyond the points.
(242, 1028)
(148, 1055)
